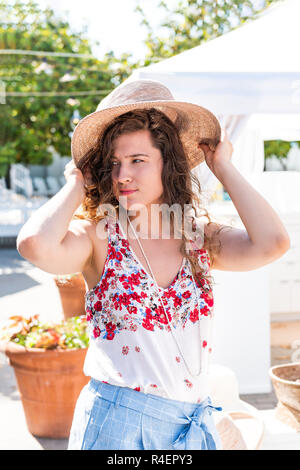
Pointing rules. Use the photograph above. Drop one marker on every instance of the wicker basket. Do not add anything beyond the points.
(287, 390)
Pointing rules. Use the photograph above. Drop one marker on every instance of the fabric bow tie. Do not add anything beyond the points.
(197, 435)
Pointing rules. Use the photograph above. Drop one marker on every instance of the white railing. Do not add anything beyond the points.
(20, 180)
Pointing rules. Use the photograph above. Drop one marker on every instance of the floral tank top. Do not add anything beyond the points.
(131, 342)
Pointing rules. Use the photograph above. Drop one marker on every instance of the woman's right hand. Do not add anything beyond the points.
(72, 172)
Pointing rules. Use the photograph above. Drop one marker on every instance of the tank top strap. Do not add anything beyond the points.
(111, 227)
(118, 245)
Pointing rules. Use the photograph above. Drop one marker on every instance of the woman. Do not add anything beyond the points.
(150, 311)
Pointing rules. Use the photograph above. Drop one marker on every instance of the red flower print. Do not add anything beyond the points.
(160, 314)
(113, 252)
(137, 349)
(104, 382)
(104, 285)
(119, 256)
(177, 358)
(172, 293)
(98, 306)
(131, 309)
(117, 306)
(188, 383)
(88, 316)
(125, 299)
(133, 327)
(110, 328)
(194, 315)
(200, 282)
(209, 350)
(177, 302)
(205, 311)
(96, 332)
(186, 294)
(153, 385)
(204, 344)
(135, 296)
(208, 299)
(135, 278)
(138, 389)
(147, 325)
(110, 272)
(125, 243)
(125, 350)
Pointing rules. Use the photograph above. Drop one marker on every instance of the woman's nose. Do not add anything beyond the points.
(123, 175)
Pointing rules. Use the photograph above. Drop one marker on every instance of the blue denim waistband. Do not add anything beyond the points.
(196, 415)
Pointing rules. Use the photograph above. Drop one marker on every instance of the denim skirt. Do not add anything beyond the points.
(112, 417)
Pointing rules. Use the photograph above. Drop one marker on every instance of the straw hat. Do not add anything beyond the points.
(196, 124)
(239, 424)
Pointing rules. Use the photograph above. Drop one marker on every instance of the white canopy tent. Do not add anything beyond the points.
(252, 70)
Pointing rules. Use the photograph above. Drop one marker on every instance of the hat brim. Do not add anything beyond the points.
(197, 125)
(242, 431)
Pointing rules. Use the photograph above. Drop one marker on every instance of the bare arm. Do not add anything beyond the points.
(50, 239)
(265, 238)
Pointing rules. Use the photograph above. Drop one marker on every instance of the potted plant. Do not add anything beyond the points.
(48, 364)
(72, 291)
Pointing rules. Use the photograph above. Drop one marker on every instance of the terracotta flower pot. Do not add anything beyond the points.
(72, 294)
(287, 390)
(49, 383)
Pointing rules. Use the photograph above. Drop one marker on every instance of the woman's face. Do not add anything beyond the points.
(137, 165)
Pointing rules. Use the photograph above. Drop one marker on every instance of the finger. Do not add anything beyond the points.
(224, 135)
(204, 146)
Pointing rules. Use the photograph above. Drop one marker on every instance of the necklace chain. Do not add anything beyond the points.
(179, 349)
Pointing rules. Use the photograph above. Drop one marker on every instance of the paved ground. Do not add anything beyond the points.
(25, 289)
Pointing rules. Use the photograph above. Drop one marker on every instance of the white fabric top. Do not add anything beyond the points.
(131, 344)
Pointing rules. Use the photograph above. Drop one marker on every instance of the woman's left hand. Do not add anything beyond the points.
(221, 155)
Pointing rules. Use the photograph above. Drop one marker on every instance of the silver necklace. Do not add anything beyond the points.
(179, 349)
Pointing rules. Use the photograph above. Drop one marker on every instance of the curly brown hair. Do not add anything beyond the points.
(177, 179)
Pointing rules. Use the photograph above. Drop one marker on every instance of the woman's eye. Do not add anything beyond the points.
(135, 160)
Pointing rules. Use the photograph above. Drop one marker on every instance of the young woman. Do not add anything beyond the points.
(149, 301)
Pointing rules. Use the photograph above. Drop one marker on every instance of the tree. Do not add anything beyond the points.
(41, 92)
(193, 22)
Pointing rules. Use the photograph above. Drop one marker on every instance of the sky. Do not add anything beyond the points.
(114, 23)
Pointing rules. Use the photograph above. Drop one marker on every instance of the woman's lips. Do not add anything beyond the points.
(125, 193)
